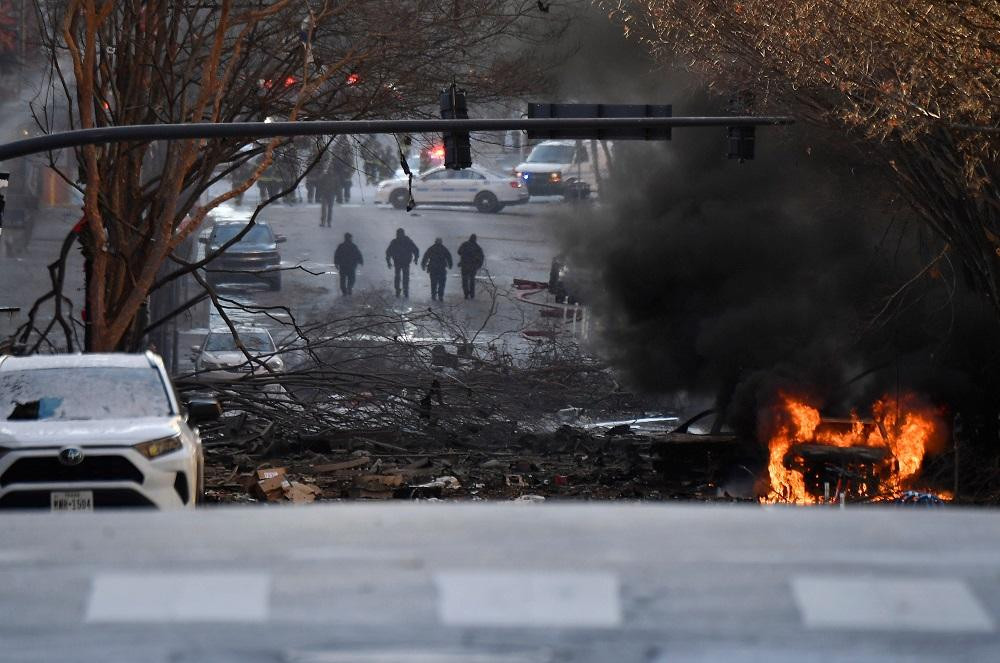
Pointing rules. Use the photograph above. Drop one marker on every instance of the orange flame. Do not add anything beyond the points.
(903, 428)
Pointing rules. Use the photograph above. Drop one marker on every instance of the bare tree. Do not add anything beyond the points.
(123, 62)
(914, 83)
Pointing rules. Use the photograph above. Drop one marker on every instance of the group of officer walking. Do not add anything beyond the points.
(402, 252)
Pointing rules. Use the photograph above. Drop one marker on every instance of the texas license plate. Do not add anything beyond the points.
(76, 500)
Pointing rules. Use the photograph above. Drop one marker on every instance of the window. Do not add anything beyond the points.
(259, 234)
(438, 176)
(68, 394)
(253, 341)
(552, 154)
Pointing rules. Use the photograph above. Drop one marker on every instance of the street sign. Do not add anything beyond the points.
(566, 111)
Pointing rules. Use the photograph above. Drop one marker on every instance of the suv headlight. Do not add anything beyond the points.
(156, 448)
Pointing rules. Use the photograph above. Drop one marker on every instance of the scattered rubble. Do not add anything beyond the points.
(272, 485)
(566, 463)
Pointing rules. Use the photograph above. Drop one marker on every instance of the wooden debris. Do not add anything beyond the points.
(356, 463)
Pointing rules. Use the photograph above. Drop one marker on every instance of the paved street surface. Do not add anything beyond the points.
(518, 242)
(501, 582)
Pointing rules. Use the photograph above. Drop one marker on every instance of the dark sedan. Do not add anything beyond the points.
(254, 258)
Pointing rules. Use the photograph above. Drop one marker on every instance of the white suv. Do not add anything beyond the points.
(86, 431)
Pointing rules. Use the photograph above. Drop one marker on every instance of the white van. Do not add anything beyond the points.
(558, 168)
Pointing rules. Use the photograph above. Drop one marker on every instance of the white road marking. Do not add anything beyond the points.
(943, 605)
(411, 655)
(179, 597)
(345, 553)
(530, 599)
(18, 556)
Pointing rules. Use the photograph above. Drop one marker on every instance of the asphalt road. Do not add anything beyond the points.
(518, 242)
(495, 583)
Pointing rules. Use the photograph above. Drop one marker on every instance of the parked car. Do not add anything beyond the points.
(253, 259)
(86, 431)
(487, 191)
(219, 358)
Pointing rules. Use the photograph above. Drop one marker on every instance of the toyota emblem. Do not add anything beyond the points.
(71, 456)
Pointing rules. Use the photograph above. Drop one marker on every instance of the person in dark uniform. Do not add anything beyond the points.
(401, 252)
(556, 286)
(321, 161)
(346, 259)
(470, 261)
(437, 262)
(342, 163)
(326, 188)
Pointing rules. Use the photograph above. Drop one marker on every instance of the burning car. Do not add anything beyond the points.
(814, 459)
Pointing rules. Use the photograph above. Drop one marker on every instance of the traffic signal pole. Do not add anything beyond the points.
(253, 130)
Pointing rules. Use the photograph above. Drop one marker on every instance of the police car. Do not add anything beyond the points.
(486, 191)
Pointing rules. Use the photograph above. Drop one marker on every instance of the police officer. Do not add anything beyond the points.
(326, 189)
(342, 166)
(346, 259)
(470, 260)
(401, 252)
(437, 262)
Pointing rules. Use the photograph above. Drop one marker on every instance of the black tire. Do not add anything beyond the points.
(486, 202)
(575, 191)
(398, 198)
(199, 484)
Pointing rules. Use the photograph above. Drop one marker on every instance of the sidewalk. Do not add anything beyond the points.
(25, 253)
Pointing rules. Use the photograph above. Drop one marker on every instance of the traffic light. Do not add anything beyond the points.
(741, 143)
(457, 150)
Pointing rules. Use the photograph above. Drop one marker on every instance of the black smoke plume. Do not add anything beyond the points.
(734, 281)
(723, 283)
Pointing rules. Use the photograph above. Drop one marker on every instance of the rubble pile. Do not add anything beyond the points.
(465, 425)
(531, 466)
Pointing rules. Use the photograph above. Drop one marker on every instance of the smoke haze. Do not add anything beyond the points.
(732, 281)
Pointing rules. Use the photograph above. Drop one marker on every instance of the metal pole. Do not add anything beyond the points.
(252, 130)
